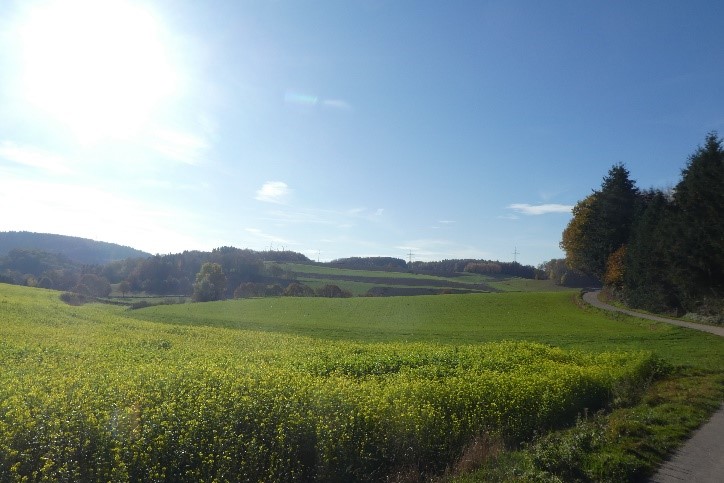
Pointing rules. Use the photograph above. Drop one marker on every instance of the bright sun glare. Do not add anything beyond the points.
(99, 68)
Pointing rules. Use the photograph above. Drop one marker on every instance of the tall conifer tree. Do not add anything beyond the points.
(698, 234)
(601, 223)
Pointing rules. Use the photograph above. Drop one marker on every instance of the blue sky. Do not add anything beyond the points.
(460, 129)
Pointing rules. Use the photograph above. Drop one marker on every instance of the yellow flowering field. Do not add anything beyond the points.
(89, 394)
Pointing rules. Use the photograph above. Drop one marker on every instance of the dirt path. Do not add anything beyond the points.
(592, 298)
(701, 458)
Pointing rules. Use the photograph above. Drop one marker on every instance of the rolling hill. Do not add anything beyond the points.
(81, 250)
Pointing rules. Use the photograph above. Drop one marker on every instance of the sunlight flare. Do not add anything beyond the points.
(101, 69)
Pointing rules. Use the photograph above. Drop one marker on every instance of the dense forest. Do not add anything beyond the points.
(444, 268)
(658, 250)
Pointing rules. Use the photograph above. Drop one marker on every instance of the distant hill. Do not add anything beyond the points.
(81, 250)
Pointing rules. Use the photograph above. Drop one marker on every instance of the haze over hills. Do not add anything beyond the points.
(81, 250)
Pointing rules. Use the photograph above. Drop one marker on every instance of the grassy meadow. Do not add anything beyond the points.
(558, 319)
(299, 389)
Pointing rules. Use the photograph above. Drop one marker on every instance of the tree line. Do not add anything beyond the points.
(658, 250)
(172, 274)
(212, 284)
(450, 267)
(37, 268)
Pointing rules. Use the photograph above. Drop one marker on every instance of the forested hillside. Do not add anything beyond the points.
(657, 250)
(81, 250)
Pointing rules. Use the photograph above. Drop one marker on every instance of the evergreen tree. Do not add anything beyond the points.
(698, 234)
(601, 223)
(647, 274)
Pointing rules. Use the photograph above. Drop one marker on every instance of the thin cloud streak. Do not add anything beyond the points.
(34, 158)
(437, 249)
(179, 146)
(311, 100)
(337, 104)
(257, 233)
(323, 216)
(543, 209)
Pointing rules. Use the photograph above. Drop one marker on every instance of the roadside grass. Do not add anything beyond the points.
(626, 444)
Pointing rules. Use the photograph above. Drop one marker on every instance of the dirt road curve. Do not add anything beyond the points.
(701, 459)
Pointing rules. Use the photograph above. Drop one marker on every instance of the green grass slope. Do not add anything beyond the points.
(558, 319)
(358, 282)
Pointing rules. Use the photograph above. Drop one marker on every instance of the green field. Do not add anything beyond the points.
(382, 277)
(358, 282)
(280, 389)
(550, 318)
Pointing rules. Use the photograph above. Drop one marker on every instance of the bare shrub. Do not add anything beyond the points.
(481, 450)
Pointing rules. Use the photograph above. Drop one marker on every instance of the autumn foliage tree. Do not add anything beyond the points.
(576, 236)
(484, 268)
(615, 268)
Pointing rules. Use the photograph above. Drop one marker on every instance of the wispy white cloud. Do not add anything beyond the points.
(34, 158)
(442, 224)
(301, 215)
(260, 234)
(298, 216)
(273, 192)
(306, 99)
(543, 209)
(170, 185)
(179, 146)
(299, 98)
(337, 104)
(436, 249)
